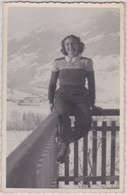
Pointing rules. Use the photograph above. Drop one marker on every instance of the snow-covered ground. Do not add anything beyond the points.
(42, 108)
(14, 139)
(24, 116)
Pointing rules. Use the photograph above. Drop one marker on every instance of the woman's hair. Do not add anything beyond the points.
(81, 44)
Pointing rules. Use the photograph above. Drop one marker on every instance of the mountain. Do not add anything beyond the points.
(30, 57)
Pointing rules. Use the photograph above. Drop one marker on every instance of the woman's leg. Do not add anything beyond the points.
(83, 120)
(63, 108)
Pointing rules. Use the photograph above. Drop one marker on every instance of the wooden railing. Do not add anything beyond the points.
(86, 177)
(33, 163)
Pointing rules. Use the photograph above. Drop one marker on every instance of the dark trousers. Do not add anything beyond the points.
(73, 103)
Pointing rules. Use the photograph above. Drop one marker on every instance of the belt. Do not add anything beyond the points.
(73, 90)
(76, 87)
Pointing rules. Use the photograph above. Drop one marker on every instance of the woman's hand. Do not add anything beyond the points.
(97, 108)
(51, 106)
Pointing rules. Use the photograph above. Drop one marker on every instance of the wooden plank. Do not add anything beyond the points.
(67, 168)
(113, 142)
(106, 112)
(75, 161)
(91, 178)
(94, 169)
(54, 184)
(55, 165)
(103, 169)
(85, 161)
(109, 128)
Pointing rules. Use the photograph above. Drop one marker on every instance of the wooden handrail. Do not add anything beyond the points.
(106, 112)
(21, 167)
(102, 112)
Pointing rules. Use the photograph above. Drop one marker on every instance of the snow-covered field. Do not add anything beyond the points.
(42, 108)
(15, 117)
(21, 117)
(14, 139)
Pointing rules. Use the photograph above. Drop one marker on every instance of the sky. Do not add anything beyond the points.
(23, 20)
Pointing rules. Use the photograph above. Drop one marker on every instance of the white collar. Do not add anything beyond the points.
(72, 59)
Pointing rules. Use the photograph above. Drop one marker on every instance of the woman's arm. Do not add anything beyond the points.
(52, 86)
(53, 82)
(91, 82)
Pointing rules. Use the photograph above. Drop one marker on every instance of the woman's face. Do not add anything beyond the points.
(72, 47)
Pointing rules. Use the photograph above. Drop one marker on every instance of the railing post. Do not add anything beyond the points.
(103, 164)
(85, 160)
(76, 161)
(67, 168)
(94, 169)
(55, 169)
(113, 141)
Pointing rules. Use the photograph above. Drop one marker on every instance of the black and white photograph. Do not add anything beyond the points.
(63, 93)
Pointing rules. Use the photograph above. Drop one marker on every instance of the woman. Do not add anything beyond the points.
(74, 73)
